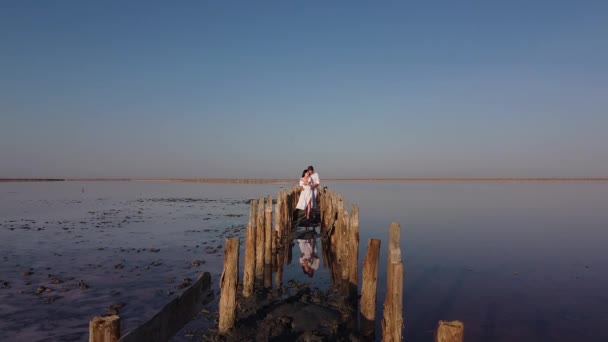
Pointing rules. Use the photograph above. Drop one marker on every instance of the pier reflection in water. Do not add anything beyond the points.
(308, 258)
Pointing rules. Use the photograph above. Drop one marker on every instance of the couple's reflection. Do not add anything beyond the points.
(309, 259)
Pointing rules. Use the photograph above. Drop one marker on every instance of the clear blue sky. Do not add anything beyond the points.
(262, 89)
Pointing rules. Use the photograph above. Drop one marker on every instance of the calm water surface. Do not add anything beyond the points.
(513, 261)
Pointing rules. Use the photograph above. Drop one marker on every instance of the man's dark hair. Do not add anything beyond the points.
(310, 168)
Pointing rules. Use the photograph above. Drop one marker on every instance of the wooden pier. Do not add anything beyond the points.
(338, 225)
(268, 249)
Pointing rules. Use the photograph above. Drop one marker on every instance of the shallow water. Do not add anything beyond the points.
(513, 261)
(131, 243)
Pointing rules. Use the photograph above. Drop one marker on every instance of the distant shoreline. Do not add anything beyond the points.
(293, 180)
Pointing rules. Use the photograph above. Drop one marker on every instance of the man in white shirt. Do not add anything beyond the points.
(316, 181)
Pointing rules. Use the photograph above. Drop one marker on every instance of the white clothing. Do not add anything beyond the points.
(309, 251)
(305, 248)
(314, 263)
(305, 196)
(314, 179)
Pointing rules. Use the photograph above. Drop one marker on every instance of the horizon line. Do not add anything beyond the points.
(341, 179)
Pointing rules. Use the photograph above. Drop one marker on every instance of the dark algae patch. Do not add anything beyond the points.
(295, 312)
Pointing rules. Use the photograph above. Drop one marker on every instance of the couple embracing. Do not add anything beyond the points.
(308, 195)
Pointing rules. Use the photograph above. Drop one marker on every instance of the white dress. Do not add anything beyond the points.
(308, 248)
(305, 195)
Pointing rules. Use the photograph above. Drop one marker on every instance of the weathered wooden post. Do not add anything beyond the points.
(321, 203)
(289, 212)
(449, 331)
(353, 251)
(344, 272)
(282, 241)
(368, 287)
(228, 285)
(249, 269)
(277, 220)
(338, 208)
(282, 209)
(392, 323)
(338, 229)
(327, 212)
(268, 243)
(260, 242)
(253, 212)
(284, 214)
(104, 329)
(268, 232)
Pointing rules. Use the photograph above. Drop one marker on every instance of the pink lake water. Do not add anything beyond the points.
(513, 261)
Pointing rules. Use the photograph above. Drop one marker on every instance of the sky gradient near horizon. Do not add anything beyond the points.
(263, 89)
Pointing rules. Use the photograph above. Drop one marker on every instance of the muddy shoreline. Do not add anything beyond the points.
(64, 261)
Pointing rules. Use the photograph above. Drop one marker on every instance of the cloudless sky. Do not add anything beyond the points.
(264, 88)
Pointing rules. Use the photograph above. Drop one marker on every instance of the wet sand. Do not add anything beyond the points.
(63, 261)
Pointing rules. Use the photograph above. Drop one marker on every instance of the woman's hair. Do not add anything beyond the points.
(304, 173)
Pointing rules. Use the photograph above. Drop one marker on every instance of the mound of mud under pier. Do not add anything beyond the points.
(294, 312)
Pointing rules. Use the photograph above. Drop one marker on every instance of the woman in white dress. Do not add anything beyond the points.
(305, 200)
